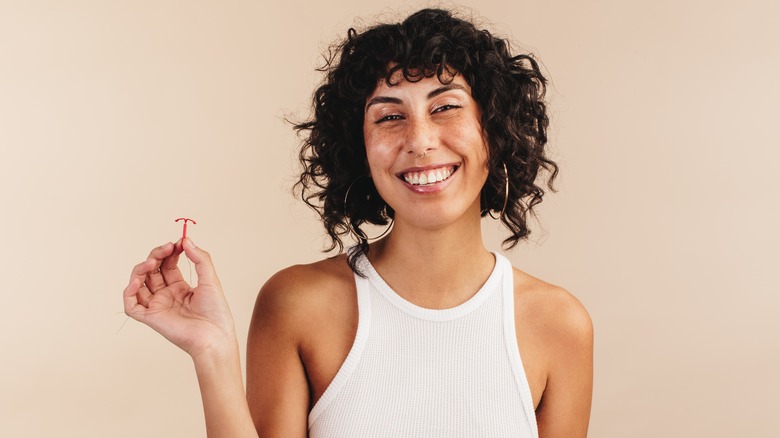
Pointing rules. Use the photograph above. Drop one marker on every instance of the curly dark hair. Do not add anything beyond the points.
(510, 92)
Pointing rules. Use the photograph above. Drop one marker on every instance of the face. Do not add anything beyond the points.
(426, 150)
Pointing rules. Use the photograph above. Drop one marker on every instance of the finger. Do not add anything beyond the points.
(154, 279)
(144, 295)
(161, 251)
(207, 276)
(136, 289)
(133, 308)
(140, 270)
(170, 265)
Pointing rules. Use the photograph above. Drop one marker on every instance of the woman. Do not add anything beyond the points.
(425, 126)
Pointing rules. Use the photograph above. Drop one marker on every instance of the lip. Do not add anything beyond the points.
(428, 188)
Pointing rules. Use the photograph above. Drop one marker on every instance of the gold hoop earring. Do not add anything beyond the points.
(506, 196)
(349, 223)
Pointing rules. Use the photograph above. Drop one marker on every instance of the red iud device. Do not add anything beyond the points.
(185, 219)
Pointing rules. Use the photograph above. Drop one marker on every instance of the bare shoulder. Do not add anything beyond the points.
(554, 314)
(301, 281)
(555, 336)
(298, 296)
(305, 287)
(295, 309)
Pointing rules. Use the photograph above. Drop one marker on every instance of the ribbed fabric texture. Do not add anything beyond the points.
(416, 372)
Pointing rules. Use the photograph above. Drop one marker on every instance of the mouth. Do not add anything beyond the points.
(430, 175)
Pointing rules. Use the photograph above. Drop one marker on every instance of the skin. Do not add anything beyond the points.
(305, 317)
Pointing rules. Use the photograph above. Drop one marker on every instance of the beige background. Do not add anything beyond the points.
(117, 117)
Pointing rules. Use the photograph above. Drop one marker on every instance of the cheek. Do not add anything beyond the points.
(379, 150)
(470, 141)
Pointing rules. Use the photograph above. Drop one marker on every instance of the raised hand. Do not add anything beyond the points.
(196, 319)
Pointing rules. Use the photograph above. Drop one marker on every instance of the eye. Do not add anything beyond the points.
(389, 118)
(445, 107)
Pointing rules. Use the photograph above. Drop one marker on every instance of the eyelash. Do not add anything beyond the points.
(389, 118)
(448, 106)
(392, 117)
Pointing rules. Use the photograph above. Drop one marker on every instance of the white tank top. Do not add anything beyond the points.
(417, 372)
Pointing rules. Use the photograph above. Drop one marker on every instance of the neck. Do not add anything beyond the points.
(434, 268)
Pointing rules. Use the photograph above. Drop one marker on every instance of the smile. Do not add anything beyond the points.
(429, 176)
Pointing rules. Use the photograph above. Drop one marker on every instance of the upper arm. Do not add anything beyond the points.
(564, 410)
(277, 388)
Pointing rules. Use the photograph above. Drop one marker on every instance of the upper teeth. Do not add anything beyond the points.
(430, 176)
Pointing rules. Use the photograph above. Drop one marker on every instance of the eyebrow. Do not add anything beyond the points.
(445, 88)
(431, 95)
(382, 99)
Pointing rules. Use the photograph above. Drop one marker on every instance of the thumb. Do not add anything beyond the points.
(207, 275)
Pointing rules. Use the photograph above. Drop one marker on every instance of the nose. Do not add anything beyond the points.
(421, 138)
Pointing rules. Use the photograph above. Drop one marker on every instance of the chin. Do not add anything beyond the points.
(437, 218)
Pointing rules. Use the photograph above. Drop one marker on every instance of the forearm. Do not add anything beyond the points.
(222, 390)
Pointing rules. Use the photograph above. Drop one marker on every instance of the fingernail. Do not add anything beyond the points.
(190, 243)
